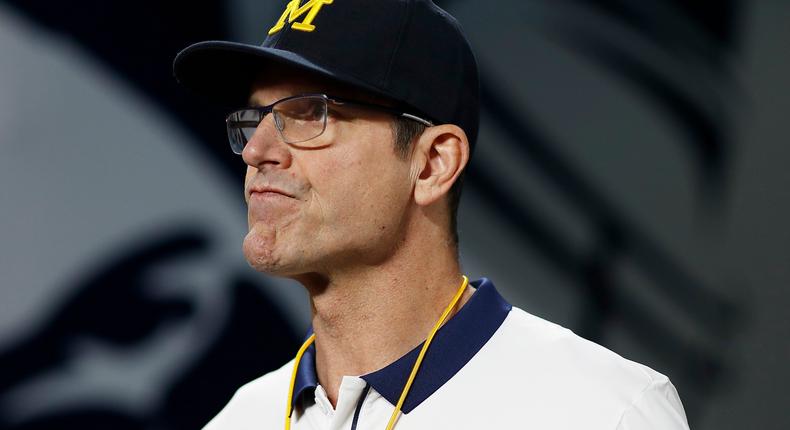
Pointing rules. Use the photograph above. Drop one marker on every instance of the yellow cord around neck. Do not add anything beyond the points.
(406, 388)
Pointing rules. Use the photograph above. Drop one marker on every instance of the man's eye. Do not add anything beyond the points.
(311, 113)
(316, 112)
(305, 115)
(302, 110)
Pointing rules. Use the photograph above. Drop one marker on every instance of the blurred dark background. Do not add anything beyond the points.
(630, 183)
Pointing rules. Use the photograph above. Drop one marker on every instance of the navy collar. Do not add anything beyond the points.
(452, 347)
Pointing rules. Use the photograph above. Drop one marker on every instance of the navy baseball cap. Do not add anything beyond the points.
(409, 51)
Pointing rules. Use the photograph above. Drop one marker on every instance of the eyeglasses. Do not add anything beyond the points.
(298, 119)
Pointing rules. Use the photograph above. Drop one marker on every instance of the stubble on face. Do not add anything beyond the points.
(347, 219)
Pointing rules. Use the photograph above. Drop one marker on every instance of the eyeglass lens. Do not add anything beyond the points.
(298, 120)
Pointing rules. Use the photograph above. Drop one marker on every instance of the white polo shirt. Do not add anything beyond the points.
(491, 366)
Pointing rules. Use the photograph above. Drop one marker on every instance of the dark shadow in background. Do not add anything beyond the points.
(114, 307)
(139, 41)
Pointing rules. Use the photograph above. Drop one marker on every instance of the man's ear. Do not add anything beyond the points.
(441, 154)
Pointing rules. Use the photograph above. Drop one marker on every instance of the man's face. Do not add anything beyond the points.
(319, 210)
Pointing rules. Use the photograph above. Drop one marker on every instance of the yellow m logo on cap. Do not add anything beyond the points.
(294, 11)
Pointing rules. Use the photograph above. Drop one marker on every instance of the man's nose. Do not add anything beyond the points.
(266, 147)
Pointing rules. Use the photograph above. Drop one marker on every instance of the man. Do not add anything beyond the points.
(361, 119)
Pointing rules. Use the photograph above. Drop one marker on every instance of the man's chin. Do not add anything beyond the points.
(265, 254)
(260, 250)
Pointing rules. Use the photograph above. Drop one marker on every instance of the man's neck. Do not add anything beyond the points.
(367, 319)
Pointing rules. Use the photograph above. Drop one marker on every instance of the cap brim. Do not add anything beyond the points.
(223, 72)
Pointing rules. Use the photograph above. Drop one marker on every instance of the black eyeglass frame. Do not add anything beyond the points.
(339, 101)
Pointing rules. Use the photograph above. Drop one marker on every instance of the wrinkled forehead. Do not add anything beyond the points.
(279, 81)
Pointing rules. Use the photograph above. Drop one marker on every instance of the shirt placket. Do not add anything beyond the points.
(341, 417)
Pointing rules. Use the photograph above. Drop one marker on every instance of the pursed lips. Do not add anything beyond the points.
(270, 205)
(264, 191)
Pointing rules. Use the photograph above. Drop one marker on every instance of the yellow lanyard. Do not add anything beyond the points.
(414, 369)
